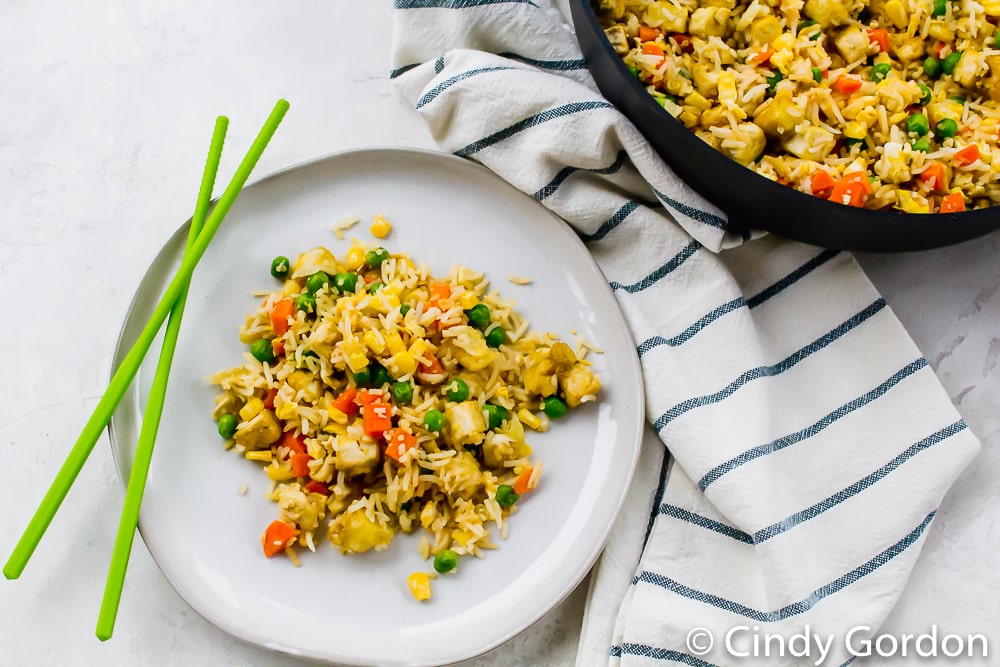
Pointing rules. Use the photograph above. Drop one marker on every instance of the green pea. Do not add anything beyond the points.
(375, 286)
(774, 80)
(404, 309)
(946, 128)
(306, 302)
(940, 7)
(379, 375)
(496, 337)
(923, 145)
(445, 561)
(848, 141)
(918, 124)
(363, 378)
(345, 282)
(374, 258)
(262, 351)
(279, 267)
(932, 67)
(317, 281)
(925, 95)
(554, 407)
(996, 40)
(310, 353)
(496, 415)
(402, 392)
(957, 98)
(457, 390)
(634, 70)
(951, 61)
(434, 420)
(227, 426)
(479, 316)
(880, 71)
(817, 74)
(506, 496)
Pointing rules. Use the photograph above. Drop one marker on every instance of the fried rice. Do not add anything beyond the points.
(885, 104)
(380, 399)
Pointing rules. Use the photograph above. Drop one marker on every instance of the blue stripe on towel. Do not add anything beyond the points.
(795, 608)
(399, 71)
(718, 471)
(451, 81)
(546, 190)
(705, 217)
(859, 486)
(761, 297)
(776, 369)
(705, 522)
(645, 651)
(454, 4)
(612, 222)
(554, 65)
(532, 121)
(666, 269)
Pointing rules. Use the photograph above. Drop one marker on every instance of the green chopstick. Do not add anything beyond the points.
(70, 469)
(154, 406)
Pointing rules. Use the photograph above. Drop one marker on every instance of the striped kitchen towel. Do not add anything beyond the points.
(809, 442)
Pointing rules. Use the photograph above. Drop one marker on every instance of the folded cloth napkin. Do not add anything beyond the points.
(809, 441)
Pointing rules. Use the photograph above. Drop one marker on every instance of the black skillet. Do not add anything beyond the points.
(750, 200)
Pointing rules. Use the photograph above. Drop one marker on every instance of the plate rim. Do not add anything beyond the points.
(248, 636)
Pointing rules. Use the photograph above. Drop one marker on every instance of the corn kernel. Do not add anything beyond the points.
(357, 362)
(697, 100)
(910, 203)
(855, 130)
(374, 342)
(467, 299)
(287, 410)
(727, 87)
(279, 473)
(263, 456)
(355, 258)
(419, 348)
(940, 30)
(380, 227)
(529, 419)
(461, 536)
(251, 409)
(420, 585)
(784, 41)
(992, 8)
(337, 416)
(394, 343)
(897, 13)
(402, 363)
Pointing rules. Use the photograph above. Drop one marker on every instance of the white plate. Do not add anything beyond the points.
(205, 536)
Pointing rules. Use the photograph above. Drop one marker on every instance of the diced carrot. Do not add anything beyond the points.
(300, 464)
(953, 203)
(317, 487)
(293, 442)
(368, 397)
(821, 183)
(431, 365)
(398, 442)
(269, 399)
(939, 50)
(847, 84)
(967, 155)
(440, 291)
(278, 346)
(523, 482)
(762, 56)
(346, 402)
(280, 314)
(378, 418)
(276, 537)
(879, 36)
(861, 178)
(934, 175)
(683, 41)
(849, 193)
(652, 49)
(647, 34)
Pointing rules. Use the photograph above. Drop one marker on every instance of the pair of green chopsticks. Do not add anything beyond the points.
(203, 228)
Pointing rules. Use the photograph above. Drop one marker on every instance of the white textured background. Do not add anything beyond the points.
(106, 109)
